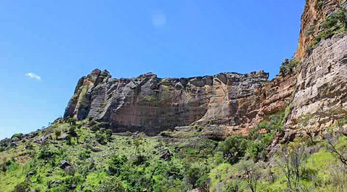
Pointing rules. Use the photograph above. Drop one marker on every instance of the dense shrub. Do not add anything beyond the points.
(17, 135)
(115, 163)
(233, 148)
(101, 138)
(72, 131)
(288, 66)
(2, 148)
(45, 152)
(22, 187)
(57, 132)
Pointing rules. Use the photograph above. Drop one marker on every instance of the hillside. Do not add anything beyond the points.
(224, 132)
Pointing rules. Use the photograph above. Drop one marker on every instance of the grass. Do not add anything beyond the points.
(193, 160)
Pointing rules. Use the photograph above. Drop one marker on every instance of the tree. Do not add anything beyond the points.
(233, 148)
(338, 170)
(137, 140)
(291, 160)
(251, 174)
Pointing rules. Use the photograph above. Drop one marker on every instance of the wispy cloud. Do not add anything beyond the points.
(33, 76)
(158, 19)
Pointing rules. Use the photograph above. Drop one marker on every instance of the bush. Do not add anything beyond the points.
(192, 175)
(68, 139)
(319, 5)
(22, 187)
(256, 150)
(111, 185)
(101, 138)
(96, 125)
(108, 133)
(85, 154)
(45, 152)
(57, 132)
(72, 131)
(234, 148)
(2, 148)
(115, 163)
(71, 120)
(288, 66)
(17, 135)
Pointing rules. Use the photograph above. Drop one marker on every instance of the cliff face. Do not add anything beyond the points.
(151, 104)
(313, 93)
(321, 95)
(314, 14)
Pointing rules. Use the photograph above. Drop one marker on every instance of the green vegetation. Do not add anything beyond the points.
(319, 4)
(86, 156)
(288, 66)
(334, 24)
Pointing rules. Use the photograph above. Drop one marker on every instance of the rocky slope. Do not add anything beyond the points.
(312, 92)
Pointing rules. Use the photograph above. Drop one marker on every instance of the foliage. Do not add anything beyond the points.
(291, 161)
(334, 24)
(111, 185)
(57, 133)
(319, 4)
(17, 135)
(136, 163)
(22, 187)
(288, 66)
(234, 148)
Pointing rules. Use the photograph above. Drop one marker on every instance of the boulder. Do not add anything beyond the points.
(64, 164)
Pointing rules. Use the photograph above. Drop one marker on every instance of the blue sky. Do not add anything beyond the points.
(46, 46)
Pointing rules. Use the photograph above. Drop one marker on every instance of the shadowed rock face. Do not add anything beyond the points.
(151, 104)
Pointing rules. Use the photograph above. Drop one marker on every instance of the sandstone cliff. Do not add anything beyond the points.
(151, 104)
(313, 92)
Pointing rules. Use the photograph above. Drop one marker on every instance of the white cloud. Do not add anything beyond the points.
(33, 76)
(158, 19)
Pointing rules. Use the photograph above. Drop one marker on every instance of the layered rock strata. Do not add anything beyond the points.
(151, 104)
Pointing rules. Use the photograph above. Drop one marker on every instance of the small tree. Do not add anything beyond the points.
(291, 160)
(251, 174)
(233, 148)
(339, 170)
(137, 140)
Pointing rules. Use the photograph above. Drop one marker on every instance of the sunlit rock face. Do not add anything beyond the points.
(321, 95)
(151, 104)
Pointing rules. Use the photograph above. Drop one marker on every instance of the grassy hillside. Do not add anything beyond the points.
(84, 156)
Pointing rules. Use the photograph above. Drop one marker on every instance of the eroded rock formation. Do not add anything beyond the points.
(151, 104)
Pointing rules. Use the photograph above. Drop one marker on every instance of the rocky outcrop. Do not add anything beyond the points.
(151, 104)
